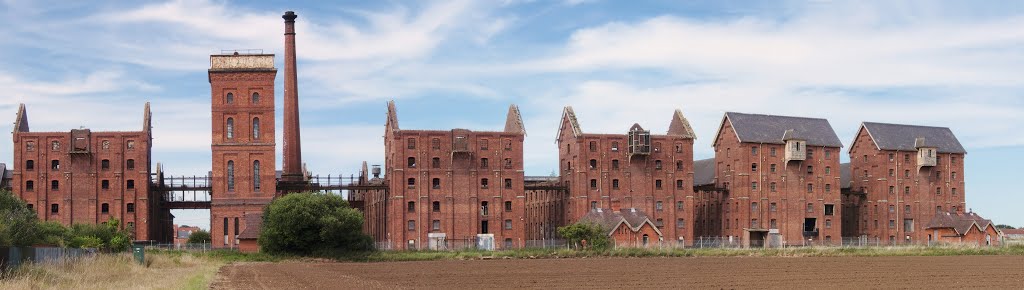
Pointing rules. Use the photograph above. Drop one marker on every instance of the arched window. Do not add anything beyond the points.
(231, 175)
(255, 98)
(256, 175)
(412, 162)
(255, 128)
(231, 128)
(230, 98)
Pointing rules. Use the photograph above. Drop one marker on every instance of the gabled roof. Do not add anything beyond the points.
(147, 119)
(961, 223)
(392, 121)
(568, 114)
(514, 121)
(611, 220)
(253, 225)
(680, 126)
(21, 120)
(905, 137)
(704, 172)
(757, 128)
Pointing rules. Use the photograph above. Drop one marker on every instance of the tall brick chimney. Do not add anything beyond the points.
(292, 141)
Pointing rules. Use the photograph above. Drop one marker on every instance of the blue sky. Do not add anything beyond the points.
(461, 63)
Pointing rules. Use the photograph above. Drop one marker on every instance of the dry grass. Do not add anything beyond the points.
(164, 271)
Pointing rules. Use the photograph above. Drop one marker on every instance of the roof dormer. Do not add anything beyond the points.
(796, 148)
(926, 154)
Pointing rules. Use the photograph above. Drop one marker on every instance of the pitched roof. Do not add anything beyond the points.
(757, 128)
(704, 172)
(904, 137)
(147, 119)
(253, 225)
(680, 126)
(845, 176)
(21, 120)
(610, 220)
(568, 114)
(1013, 232)
(392, 121)
(961, 223)
(514, 121)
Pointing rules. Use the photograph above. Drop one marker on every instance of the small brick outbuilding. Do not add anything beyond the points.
(627, 228)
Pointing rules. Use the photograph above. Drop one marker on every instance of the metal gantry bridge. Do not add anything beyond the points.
(196, 192)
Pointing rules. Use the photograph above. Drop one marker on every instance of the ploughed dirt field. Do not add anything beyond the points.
(977, 272)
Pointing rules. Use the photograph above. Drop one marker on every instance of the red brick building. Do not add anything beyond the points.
(906, 175)
(242, 110)
(627, 228)
(182, 233)
(782, 176)
(450, 185)
(650, 173)
(962, 228)
(81, 176)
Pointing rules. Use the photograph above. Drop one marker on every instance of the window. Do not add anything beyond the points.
(435, 206)
(593, 164)
(773, 168)
(105, 184)
(810, 153)
(938, 209)
(411, 225)
(508, 183)
(435, 225)
(892, 189)
(435, 183)
(658, 206)
(255, 98)
(593, 184)
(810, 187)
(508, 206)
(55, 145)
(411, 143)
(411, 206)
(753, 224)
(657, 164)
(952, 191)
(728, 152)
(891, 157)
(105, 164)
(810, 207)
(828, 187)
(615, 146)
(906, 209)
(680, 223)
(55, 165)
(483, 183)
(906, 158)
(255, 128)
(30, 206)
(30, 165)
(130, 207)
(810, 170)
(30, 185)
(892, 224)
(908, 225)
(772, 224)
(952, 175)
(679, 165)
(906, 190)
(753, 207)
(54, 185)
(508, 163)
(256, 175)
(54, 208)
(892, 173)
(772, 186)
(130, 164)
(906, 173)
(753, 185)
(828, 154)
(615, 164)
(615, 184)
(938, 191)
(435, 144)
(593, 146)
(435, 162)
(753, 151)
(952, 160)
(129, 184)
(105, 208)
(508, 224)
(230, 98)
(31, 146)
(679, 205)
(508, 144)
(231, 175)
(892, 208)
(828, 224)
(484, 144)
(753, 167)
(657, 184)
(411, 162)
(772, 152)
(412, 182)
(679, 184)
(830, 209)
(772, 207)
(230, 128)
(828, 170)
(483, 208)
(593, 205)
(225, 231)
(865, 174)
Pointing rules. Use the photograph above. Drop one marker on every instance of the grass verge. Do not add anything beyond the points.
(117, 271)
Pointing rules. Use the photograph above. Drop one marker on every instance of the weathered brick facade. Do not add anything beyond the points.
(654, 175)
(900, 188)
(244, 161)
(88, 177)
(458, 182)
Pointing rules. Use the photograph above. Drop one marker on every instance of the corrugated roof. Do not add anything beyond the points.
(704, 172)
(903, 137)
(757, 128)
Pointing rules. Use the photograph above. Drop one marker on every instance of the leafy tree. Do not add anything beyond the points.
(18, 223)
(595, 235)
(199, 237)
(1005, 227)
(52, 233)
(307, 223)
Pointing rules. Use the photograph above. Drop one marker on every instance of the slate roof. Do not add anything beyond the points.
(514, 121)
(253, 225)
(704, 172)
(961, 223)
(845, 176)
(757, 128)
(902, 137)
(610, 220)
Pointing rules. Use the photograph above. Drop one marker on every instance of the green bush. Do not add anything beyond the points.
(595, 235)
(18, 223)
(312, 223)
(199, 237)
